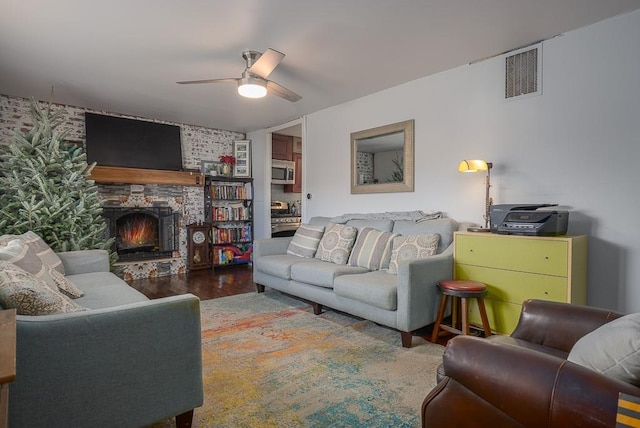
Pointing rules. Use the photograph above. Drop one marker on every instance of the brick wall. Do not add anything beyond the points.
(198, 143)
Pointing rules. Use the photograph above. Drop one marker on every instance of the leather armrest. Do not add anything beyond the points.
(559, 325)
(533, 388)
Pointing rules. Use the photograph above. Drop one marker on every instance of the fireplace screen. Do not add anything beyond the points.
(143, 233)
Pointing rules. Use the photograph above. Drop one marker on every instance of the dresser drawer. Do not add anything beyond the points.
(516, 287)
(537, 255)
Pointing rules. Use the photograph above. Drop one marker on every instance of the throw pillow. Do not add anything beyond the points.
(306, 240)
(18, 252)
(372, 249)
(30, 295)
(612, 349)
(412, 247)
(42, 250)
(336, 243)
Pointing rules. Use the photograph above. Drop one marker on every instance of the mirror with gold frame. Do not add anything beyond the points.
(382, 159)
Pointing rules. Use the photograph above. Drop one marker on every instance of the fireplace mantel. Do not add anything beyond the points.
(112, 174)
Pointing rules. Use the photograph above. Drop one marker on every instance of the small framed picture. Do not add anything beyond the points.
(209, 167)
(242, 153)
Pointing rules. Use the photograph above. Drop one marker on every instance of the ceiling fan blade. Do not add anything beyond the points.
(189, 82)
(266, 63)
(274, 89)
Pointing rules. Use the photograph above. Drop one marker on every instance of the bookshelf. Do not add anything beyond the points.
(229, 210)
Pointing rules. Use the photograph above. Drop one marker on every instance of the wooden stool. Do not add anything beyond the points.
(463, 290)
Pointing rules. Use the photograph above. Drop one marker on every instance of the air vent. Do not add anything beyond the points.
(523, 72)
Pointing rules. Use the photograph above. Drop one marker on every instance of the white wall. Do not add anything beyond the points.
(578, 144)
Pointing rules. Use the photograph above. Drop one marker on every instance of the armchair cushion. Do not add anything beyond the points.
(613, 349)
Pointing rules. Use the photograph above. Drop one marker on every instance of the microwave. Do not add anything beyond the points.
(283, 172)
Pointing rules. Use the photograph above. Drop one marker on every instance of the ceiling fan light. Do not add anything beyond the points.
(250, 87)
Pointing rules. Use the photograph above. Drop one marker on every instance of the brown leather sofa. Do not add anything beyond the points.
(525, 380)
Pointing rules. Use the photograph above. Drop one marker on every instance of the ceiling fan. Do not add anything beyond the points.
(254, 83)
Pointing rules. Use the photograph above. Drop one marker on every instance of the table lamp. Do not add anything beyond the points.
(477, 165)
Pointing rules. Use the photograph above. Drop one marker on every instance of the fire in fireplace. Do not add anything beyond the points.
(143, 233)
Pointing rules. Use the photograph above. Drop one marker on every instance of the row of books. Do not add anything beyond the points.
(230, 213)
(231, 254)
(233, 191)
(226, 235)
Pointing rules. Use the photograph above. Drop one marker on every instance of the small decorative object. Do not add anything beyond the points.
(242, 153)
(228, 162)
(211, 168)
(199, 253)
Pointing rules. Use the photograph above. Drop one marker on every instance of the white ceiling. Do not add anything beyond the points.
(126, 55)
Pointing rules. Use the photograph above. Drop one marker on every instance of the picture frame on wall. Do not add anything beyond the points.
(242, 153)
(210, 167)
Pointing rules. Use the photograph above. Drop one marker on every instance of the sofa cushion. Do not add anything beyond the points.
(321, 273)
(42, 250)
(30, 295)
(305, 241)
(384, 225)
(372, 249)
(612, 349)
(373, 288)
(412, 247)
(18, 252)
(279, 264)
(105, 290)
(442, 226)
(335, 245)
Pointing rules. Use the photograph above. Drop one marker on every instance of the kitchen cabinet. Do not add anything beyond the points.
(516, 268)
(229, 211)
(281, 147)
(297, 186)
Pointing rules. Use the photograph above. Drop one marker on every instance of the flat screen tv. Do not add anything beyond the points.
(116, 141)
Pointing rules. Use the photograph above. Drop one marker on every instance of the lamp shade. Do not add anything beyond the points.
(474, 165)
(250, 87)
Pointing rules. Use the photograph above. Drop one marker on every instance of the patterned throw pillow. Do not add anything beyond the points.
(336, 243)
(18, 252)
(372, 249)
(412, 247)
(30, 295)
(306, 240)
(42, 250)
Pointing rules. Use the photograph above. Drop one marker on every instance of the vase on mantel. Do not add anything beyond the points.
(227, 169)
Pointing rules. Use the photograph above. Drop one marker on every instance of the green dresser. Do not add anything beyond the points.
(516, 268)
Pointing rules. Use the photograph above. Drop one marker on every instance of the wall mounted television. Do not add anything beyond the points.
(116, 141)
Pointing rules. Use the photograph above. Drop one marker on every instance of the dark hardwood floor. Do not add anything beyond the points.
(220, 282)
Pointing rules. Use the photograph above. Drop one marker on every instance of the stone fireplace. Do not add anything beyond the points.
(143, 233)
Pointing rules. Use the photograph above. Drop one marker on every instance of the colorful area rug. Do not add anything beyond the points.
(268, 361)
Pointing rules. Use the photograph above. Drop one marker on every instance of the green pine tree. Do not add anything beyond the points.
(397, 176)
(44, 187)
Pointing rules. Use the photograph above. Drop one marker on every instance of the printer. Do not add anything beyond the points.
(528, 219)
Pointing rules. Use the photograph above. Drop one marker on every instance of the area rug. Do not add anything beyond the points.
(268, 361)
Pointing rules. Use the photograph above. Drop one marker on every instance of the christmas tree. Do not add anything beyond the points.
(44, 187)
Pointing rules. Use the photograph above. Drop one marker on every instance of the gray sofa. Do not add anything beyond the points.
(406, 301)
(127, 362)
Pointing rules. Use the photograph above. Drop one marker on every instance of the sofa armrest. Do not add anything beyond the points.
(143, 360)
(418, 296)
(559, 325)
(502, 382)
(84, 261)
(271, 246)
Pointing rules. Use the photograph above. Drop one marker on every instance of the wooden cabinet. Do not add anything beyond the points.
(297, 186)
(281, 147)
(516, 268)
(229, 210)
